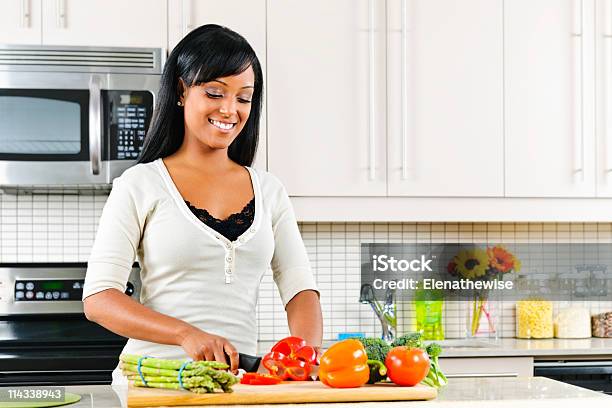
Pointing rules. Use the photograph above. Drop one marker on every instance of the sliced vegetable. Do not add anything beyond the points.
(407, 366)
(274, 362)
(290, 359)
(295, 348)
(297, 370)
(259, 379)
(345, 365)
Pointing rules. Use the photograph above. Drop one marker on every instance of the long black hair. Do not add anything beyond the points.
(206, 53)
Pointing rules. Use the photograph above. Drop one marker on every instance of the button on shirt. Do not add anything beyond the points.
(188, 270)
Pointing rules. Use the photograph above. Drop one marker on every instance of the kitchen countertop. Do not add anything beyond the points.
(511, 347)
(544, 348)
(460, 392)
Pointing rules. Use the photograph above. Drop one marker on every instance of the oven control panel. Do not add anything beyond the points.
(52, 290)
(48, 290)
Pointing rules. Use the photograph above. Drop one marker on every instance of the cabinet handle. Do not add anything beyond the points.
(95, 123)
(61, 13)
(187, 21)
(578, 40)
(25, 14)
(404, 87)
(371, 60)
(607, 38)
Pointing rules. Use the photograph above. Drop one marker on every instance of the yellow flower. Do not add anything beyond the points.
(517, 264)
(472, 263)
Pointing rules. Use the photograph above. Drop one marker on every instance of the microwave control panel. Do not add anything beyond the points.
(130, 114)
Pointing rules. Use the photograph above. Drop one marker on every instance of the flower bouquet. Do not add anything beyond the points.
(480, 264)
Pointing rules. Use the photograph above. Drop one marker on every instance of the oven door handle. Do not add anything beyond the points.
(95, 124)
(573, 368)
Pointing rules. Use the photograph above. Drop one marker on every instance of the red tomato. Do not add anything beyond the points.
(407, 366)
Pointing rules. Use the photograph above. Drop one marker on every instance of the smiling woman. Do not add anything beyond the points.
(208, 73)
(203, 225)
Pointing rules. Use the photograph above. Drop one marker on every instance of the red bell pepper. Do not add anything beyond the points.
(259, 379)
(291, 359)
(296, 348)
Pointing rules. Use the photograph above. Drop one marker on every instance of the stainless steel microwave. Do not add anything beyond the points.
(74, 115)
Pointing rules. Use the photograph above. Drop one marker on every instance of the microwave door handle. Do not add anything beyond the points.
(95, 124)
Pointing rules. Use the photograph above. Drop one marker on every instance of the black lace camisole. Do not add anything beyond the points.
(231, 227)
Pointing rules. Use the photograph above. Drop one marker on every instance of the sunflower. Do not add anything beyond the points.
(502, 260)
(472, 263)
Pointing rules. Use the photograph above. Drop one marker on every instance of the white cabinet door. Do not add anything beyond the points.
(445, 98)
(20, 22)
(490, 367)
(133, 23)
(246, 17)
(326, 96)
(549, 110)
(603, 51)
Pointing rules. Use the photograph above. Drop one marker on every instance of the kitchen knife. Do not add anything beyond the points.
(249, 363)
(252, 364)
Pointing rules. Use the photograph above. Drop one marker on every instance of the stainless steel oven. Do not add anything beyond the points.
(74, 115)
(592, 374)
(44, 335)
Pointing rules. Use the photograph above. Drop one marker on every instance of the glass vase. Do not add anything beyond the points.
(482, 320)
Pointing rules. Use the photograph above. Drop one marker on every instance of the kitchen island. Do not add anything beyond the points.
(460, 392)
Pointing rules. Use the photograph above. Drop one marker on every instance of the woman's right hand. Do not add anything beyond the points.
(200, 345)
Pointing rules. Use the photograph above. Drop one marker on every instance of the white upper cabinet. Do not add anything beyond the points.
(133, 23)
(20, 22)
(549, 94)
(445, 98)
(603, 44)
(326, 96)
(246, 17)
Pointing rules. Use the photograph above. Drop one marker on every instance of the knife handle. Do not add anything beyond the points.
(247, 362)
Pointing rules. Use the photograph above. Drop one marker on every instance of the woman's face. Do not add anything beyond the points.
(216, 111)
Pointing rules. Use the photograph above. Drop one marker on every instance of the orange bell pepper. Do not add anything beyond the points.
(345, 365)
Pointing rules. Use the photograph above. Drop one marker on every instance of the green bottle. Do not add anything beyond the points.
(429, 305)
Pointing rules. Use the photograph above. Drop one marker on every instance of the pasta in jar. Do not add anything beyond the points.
(534, 319)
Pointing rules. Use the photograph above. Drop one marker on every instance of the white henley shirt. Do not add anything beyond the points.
(188, 270)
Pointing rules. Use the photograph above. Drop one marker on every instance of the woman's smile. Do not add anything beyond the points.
(225, 127)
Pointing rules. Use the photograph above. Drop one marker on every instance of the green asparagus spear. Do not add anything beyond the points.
(170, 364)
(223, 377)
(159, 371)
(174, 385)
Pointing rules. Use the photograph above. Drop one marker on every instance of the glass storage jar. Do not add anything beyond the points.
(534, 319)
(573, 323)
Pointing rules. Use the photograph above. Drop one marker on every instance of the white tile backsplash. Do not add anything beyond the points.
(61, 228)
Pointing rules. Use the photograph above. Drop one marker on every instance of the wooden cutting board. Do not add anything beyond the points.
(286, 393)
